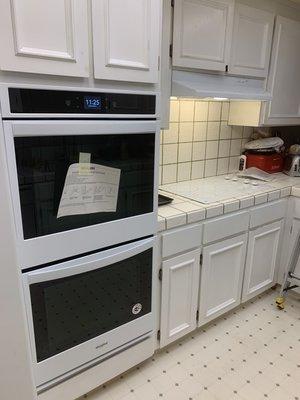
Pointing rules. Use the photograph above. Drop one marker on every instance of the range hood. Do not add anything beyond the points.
(195, 84)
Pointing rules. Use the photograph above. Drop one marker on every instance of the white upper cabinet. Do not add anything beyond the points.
(284, 77)
(202, 33)
(126, 39)
(46, 37)
(251, 42)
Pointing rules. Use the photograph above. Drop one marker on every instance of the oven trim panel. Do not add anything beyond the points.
(73, 359)
(6, 112)
(48, 248)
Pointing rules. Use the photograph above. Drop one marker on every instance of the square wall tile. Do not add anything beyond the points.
(244, 141)
(197, 169)
(201, 110)
(174, 110)
(235, 147)
(169, 173)
(247, 132)
(160, 175)
(160, 154)
(225, 111)
(169, 153)
(171, 135)
(198, 152)
(236, 132)
(210, 168)
(233, 164)
(200, 129)
(212, 148)
(214, 111)
(224, 148)
(225, 131)
(184, 171)
(213, 130)
(186, 131)
(186, 110)
(223, 164)
(184, 152)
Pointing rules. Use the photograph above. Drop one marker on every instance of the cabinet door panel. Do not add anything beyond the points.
(251, 43)
(126, 39)
(202, 33)
(180, 285)
(221, 277)
(262, 259)
(284, 77)
(48, 37)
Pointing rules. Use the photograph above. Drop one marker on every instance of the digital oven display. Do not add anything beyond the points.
(92, 103)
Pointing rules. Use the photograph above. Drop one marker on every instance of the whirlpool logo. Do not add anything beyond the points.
(101, 345)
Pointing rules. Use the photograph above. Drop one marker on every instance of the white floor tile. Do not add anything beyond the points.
(253, 353)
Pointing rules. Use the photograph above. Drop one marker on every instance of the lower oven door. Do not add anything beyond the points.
(86, 309)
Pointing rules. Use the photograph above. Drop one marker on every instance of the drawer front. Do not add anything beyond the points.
(181, 239)
(267, 213)
(226, 226)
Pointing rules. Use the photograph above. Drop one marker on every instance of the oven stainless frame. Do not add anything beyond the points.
(44, 249)
(69, 362)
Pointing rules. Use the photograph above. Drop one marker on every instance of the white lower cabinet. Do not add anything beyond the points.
(221, 277)
(180, 288)
(262, 259)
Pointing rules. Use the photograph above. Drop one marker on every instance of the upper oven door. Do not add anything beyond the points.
(78, 186)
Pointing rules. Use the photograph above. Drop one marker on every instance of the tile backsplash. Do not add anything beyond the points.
(199, 142)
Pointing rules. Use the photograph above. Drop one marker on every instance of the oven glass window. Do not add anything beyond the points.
(43, 164)
(72, 310)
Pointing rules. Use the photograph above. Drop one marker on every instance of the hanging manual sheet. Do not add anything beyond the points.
(95, 190)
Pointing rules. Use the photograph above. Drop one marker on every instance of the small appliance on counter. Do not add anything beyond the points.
(164, 200)
(292, 161)
(265, 154)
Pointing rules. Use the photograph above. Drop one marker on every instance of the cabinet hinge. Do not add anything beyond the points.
(201, 259)
(158, 335)
(197, 315)
(226, 68)
(171, 51)
(172, 3)
(160, 273)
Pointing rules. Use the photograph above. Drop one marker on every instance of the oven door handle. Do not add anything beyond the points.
(88, 263)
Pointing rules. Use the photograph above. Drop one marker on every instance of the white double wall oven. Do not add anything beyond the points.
(83, 173)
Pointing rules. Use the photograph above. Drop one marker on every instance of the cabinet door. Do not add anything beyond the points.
(221, 277)
(262, 259)
(180, 287)
(126, 39)
(251, 42)
(202, 33)
(46, 37)
(284, 77)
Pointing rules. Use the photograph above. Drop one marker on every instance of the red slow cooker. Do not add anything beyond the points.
(269, 161)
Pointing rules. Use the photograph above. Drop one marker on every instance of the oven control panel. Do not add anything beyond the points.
(41, 101)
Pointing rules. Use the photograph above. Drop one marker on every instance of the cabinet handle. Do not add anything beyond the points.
(226, 68)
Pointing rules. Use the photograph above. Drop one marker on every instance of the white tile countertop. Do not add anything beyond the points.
(201, 199)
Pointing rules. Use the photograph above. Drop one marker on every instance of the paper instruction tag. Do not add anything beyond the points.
(93, 192)
(84, 163)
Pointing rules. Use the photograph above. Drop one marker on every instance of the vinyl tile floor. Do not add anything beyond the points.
(253, 353)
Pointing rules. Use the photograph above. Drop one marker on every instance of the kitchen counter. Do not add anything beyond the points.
(210, 197)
